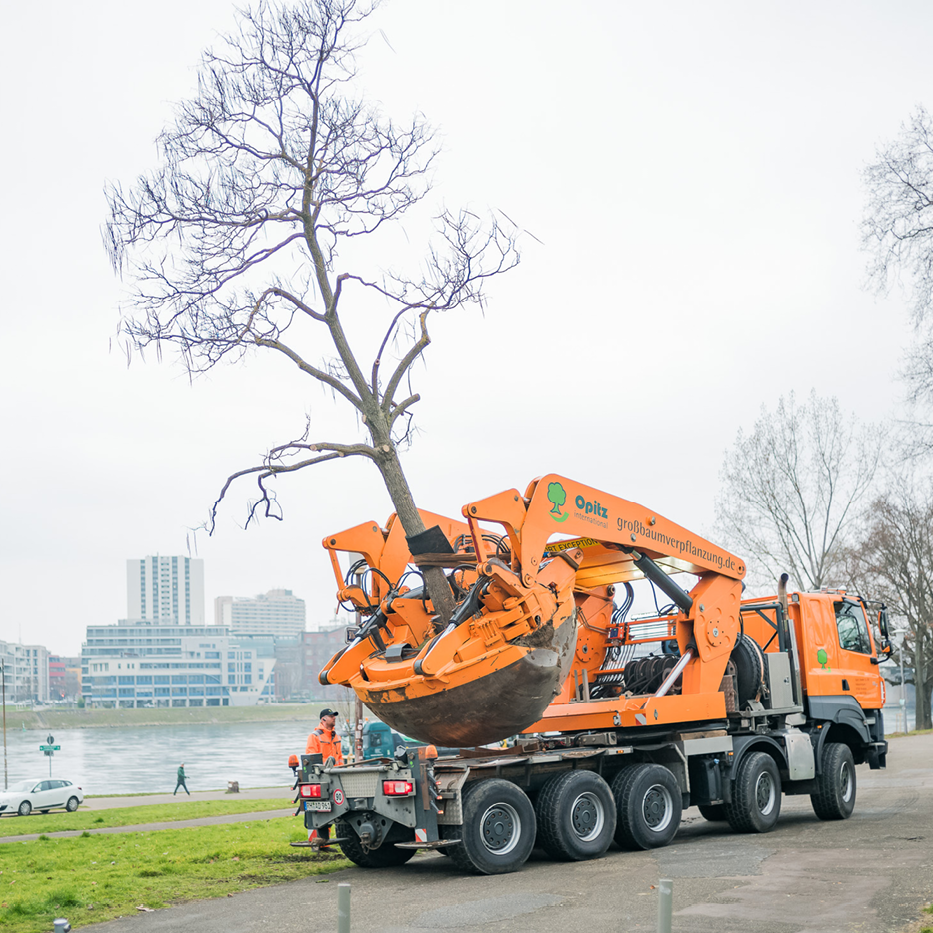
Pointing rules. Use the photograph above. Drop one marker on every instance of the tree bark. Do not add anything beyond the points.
(400, 493)
(923, 689)
(923, 681)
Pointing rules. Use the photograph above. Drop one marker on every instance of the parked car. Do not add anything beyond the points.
(26, 796)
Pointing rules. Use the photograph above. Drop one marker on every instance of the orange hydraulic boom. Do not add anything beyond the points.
(534, 624)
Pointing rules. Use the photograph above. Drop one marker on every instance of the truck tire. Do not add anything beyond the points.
(749, 662)
(386, 856)
(498, 830)
(714, 812)
(756, 795)
(835, 795)
(576, 816)
(648, 806)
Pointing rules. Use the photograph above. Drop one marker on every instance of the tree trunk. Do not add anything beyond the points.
(923, 673)
(400, 493)
(922, 692)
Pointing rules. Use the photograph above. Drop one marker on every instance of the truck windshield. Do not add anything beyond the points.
(852, 626)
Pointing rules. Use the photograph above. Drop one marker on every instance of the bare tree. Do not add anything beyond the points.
(893, 562)
(269, 175)
(897, 232)
(792, 490)
(287, 678)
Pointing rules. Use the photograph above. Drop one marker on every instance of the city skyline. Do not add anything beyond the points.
(153, 574)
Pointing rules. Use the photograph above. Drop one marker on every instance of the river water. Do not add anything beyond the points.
(144, 760)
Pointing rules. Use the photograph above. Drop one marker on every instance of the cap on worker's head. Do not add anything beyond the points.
(329, 712)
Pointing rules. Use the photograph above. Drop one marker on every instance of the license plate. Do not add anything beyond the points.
(322, 806)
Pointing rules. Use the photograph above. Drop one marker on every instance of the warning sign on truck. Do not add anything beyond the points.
(558, 546)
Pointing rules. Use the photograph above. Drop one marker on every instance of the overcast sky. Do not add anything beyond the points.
(692, 171)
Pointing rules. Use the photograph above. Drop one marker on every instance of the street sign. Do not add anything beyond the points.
(49, 750)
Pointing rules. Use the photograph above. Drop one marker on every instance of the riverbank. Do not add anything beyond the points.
(51, 718)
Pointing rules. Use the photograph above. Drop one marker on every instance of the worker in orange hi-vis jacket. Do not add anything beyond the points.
(324, 740)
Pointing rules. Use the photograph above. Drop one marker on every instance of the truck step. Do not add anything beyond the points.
(440, 844)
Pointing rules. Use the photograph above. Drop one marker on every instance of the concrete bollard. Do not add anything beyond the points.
(343, 908)
(665, 905)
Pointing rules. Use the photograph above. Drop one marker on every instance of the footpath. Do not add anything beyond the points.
(108, 803)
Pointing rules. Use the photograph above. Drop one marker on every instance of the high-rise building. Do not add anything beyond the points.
(277, 613)
(165, 589)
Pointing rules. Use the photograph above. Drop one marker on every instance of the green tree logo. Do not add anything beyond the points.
(557, 497)
(822, 657)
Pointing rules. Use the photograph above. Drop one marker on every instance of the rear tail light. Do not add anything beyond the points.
(311, 790)
(397, 788)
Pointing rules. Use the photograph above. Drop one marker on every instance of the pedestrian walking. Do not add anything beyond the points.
(181, 780)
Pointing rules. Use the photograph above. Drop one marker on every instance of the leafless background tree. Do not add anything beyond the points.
(897, 229)
(893, 562)
(287, 677)
(270, 180)
(793, 489)
(897, 233)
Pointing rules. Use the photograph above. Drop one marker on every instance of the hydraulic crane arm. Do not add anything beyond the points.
(501, 663)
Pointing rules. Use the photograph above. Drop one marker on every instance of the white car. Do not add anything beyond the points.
(26, 796)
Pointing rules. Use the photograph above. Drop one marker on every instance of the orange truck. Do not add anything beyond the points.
(616, 723)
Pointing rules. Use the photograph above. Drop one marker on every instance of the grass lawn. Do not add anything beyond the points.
(60, 821)
(91, 878)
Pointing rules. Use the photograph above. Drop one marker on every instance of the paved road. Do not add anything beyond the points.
(869, 874)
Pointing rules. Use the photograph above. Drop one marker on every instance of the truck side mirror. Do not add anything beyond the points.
(885, 647)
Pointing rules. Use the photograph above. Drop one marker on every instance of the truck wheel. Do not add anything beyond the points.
(835, 795)
(749, 668)
(576, 816)
(384, 857)
(648, 806)
(714, 812)
(756, 795)
(498, 831)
